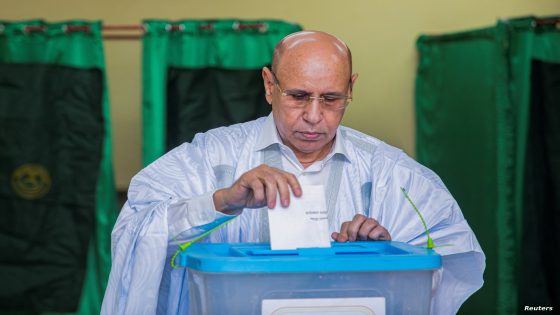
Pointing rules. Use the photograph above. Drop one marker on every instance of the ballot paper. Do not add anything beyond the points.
(304, 223)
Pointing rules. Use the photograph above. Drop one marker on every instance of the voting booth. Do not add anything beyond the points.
(348, 278)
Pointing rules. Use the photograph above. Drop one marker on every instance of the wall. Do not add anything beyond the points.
(381, 34)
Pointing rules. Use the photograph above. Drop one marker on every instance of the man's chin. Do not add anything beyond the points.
(310, 146)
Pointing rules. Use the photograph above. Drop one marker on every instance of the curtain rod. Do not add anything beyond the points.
(551, 21)
(139, 28)
(120, 28)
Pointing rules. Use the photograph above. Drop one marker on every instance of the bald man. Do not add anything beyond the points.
(239, 171)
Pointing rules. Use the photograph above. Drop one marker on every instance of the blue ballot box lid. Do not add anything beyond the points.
(352, 256)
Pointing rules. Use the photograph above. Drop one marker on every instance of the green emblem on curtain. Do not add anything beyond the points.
(49, 114)
(57, 197)
(31, 181)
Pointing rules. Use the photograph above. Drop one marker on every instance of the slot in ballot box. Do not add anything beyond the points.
(348, 278)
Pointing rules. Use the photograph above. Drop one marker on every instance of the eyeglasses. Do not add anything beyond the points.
(299, 99)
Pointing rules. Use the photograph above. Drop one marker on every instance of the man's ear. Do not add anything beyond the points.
(268, 84)
(353, 79)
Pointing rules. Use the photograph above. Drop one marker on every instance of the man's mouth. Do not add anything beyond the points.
(310, 135)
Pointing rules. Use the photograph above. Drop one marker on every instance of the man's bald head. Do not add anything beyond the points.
(310, 72)
(311, 41)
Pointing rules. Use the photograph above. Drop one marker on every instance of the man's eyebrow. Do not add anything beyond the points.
(333, 94)
(300, 91)
(297, 91)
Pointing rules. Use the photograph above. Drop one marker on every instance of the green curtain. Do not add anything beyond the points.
(54, 108)
(201, 74)
(540, 279)
(473, 92)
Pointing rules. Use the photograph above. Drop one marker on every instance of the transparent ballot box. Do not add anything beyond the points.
(348, 278)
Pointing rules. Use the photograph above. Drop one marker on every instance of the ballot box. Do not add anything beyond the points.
(348, 278)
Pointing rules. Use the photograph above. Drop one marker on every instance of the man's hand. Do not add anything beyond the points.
(361, 228)
(257, 188)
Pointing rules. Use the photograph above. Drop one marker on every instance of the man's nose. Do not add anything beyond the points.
(313, 112)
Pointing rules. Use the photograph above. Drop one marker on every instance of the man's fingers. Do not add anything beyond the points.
(258, 189)
(281, 182)
(284, 181)
(276, 184)
(283, 189)
(379, 233)
(367, 226)
(339, 237)
(361, 228)
(261, 186)
(294, 183)
(354, 226)
(271, 191)
(334, 236)
(344, 228)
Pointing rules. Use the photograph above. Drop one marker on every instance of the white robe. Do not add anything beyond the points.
(367, 179)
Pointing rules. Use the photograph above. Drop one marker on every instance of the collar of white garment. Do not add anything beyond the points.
(269, 136)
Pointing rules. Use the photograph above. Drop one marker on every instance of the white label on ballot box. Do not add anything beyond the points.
(334, 306)
(304, 223)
